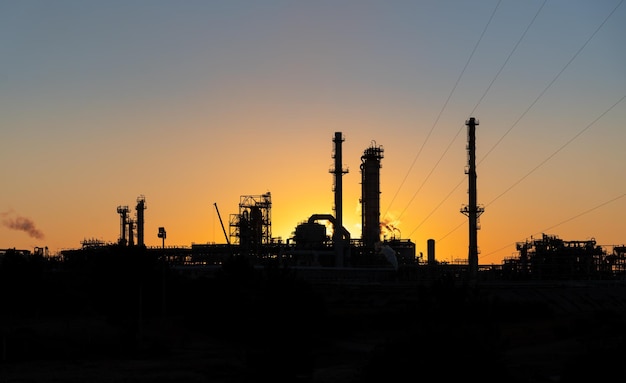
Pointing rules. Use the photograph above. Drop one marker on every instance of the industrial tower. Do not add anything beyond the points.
(141, 206)
(338, 171)
(472, 210)
(252, 226)
(370, 195)
(123, 212)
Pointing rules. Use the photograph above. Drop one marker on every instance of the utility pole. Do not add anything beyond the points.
(162, 234)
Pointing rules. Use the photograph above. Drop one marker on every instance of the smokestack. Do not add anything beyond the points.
(472, 210)
(141, 206)
(338, 172)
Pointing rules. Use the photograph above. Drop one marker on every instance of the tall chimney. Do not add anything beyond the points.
(141, 206)
(338, 172)
(472, 210)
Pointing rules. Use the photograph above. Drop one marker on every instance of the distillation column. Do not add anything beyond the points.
(141, 206)
(338, 171)
(370, 195)
(123, 212)
(472, 210)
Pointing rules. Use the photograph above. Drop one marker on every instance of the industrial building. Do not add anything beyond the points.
(248, 233)
(318, 254)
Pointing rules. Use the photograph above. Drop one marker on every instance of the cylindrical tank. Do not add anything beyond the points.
(370, 195)
(310, 235)
(431, 251)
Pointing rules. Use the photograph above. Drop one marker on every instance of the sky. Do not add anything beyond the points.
(193, 104)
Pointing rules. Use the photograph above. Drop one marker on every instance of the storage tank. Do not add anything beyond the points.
(310, 235)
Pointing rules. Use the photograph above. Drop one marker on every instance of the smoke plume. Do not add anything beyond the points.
(17, 222)
(390, 226)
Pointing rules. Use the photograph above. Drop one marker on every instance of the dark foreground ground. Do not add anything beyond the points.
(282, 329)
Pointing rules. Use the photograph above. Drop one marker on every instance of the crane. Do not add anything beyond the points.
(221, 223)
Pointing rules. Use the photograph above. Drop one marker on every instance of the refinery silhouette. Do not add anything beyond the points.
(316, 254)
(319, 307)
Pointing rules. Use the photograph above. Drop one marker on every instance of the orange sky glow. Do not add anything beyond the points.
(196, 104)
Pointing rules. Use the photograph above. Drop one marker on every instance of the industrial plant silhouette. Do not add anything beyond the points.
(316, 255)
(316, 308)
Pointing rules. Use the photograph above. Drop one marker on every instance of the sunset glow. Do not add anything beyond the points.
(193, 104)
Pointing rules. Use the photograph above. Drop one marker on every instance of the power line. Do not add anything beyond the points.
(565, 221)
(460, 129)
(551, 82)
(537, 167)
(508, 57)
(453, 230)
(437, 207)
(525, 112)
(556, 151)
(430, 173)
(439, 115)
